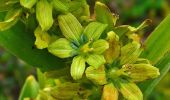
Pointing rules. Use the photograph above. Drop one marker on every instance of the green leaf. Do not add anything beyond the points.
(158, 43)
(94, 30)
(30, 88)
(157, 48)
(104, 15)
(164, 67)
(19, 41)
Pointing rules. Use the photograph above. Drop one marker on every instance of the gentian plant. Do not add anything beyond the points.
(80, 56)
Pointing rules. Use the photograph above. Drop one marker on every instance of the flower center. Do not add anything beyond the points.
(86, 48)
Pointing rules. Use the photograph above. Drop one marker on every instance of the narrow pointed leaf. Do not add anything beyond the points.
(158, 43)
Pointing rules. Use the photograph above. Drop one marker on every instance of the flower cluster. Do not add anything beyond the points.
(101, 57)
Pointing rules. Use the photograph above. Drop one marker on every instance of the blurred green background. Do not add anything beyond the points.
(13, 71)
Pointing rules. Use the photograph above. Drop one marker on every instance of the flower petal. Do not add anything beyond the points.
(95, 60)
(28, 3)
(130, 91)
(44, 14)
(70, 27)
(77, 67)
(110, 92)
(94, 30)
(10, 19)
(42, 38)
(140, 72)
(114, 47)
(130, 53)
(97, 76)
(61, 48)
(100, 46)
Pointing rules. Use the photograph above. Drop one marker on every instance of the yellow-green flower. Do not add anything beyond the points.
(82, 43)
(116, 78)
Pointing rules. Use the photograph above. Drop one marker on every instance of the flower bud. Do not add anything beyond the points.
(61, 48)
(28, 3)
(100, 46)
(42, 38)
(97, 76)
(44, 14)
(140, 72)
(110, 92)
(114, 47)
(130, 91)
(30, 88)
(130, 53)
(77, 67)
